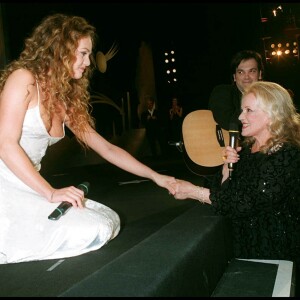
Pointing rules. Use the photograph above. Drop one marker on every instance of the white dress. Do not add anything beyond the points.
(26, 234)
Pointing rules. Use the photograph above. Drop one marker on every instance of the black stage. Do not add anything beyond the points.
(166, 247)
(136, 200)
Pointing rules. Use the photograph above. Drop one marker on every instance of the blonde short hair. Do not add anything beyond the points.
(276, 101)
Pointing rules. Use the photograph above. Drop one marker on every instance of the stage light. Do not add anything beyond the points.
(170, 67)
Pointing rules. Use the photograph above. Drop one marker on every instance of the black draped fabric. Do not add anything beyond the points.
(263, 202)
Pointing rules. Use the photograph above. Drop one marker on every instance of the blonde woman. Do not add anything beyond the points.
(262, 198)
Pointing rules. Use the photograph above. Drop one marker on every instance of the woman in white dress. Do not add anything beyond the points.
(43, 91)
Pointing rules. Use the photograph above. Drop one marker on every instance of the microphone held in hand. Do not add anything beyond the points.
(233, 142)
(65, 206)
(84, 186)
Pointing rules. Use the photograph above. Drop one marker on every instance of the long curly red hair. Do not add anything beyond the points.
(51, 47)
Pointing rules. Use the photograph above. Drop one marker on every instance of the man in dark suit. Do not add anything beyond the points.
(225, 99)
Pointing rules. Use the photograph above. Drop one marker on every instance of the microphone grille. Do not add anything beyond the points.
(233, 126)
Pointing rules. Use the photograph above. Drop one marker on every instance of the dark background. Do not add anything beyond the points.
(204, 35)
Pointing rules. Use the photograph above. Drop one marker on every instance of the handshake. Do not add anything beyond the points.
(187, 190)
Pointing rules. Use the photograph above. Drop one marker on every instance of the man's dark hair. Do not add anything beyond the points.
(244, 55)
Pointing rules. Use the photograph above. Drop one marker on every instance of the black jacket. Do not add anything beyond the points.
(225, 104)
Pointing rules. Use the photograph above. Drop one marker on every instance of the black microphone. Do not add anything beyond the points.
(233, 142)
(65, 206)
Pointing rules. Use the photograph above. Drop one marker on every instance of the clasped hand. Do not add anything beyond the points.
(184, 189)
(230, 155)
(69, 194)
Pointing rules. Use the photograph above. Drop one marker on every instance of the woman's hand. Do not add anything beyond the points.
(68, 194)
(185, 190)
(165, 182)
(230, 155)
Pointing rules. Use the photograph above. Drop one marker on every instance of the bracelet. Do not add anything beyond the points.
(52, 195)
(201, 194)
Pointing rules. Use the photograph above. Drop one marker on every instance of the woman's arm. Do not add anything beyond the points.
(124, 160)
(187, 190)
(262, 183)
(19, 95)
(230, 155)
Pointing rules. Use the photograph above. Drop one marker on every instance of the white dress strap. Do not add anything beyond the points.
(38, 91)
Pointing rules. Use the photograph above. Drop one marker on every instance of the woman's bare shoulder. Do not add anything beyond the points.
(19, 85)
(22, 75)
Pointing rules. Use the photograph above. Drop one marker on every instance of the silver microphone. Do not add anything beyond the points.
(233, 142)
